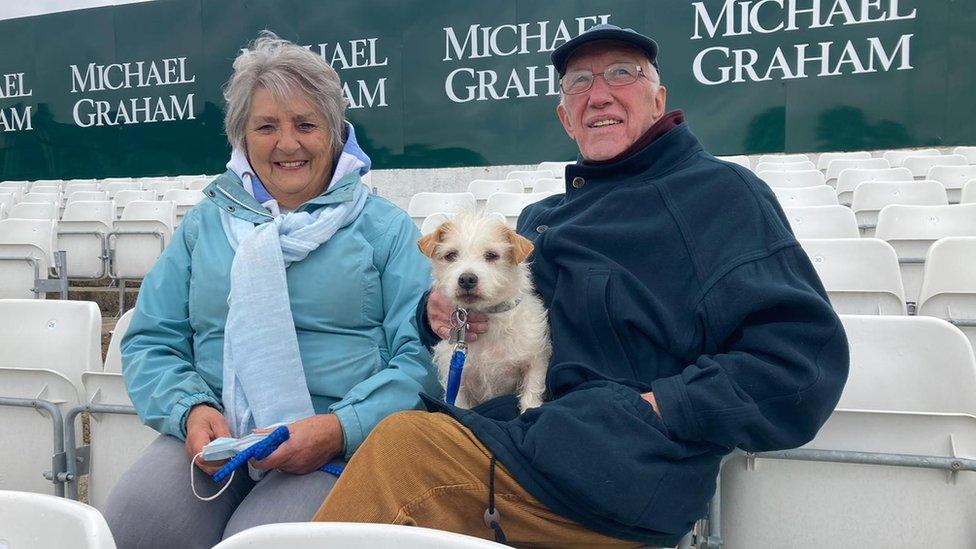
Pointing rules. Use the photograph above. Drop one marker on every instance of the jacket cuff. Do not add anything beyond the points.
(176, 424)
(427, 335)
(675, 408)
(352, 429)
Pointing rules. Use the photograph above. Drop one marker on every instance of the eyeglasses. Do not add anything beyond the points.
(618, 75)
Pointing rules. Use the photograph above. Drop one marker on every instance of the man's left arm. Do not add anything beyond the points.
(781, 367)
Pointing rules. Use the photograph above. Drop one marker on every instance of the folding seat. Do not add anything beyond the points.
(783, 158)
(558, 169)
(528, 178)
(38, 520)
(511, 205)
(122, 199)
(850, 178)
(739, 159)
(201, 183)
(83, 235)
(18, 189)
(313, 535)
(26, 257)
(949, 284)
(909, 400)
(861, 275)
(41, 188)
(553, 186)
(73, 187)
(824, 160)
(822, 222)
(113, 187)
(424, 204)
(37, 196)
(953, 178)
(841, 164)
(184, 200)
(117, 436)
(968, 152)
(920, 165)
(911, 230)
(34, 210)
(820, 195)
(791, 179)
(138, 238)
(968, 195)
(76, 196)
(871, 196)
(897, 157)
(162, 185)
(802, 165)
(483, 188)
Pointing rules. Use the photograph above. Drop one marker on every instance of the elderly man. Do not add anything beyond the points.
(686, 321)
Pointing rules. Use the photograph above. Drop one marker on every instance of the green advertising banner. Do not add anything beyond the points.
(135, 90)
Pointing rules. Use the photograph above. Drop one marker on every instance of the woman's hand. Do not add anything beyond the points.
(439, 311)
(204, 424)
(312, 442)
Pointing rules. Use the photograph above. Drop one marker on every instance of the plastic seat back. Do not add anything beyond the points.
(949, 283)
(835, 167)
(822, 222)
(18, 189)
(184, 200)
(551, 186)
(953, 178)
(820, 195)
(34, 210)
(43, 197)
(897, 157)
(511, 205)
(792, 179)
(140, 237)
(824, 160)
(26, 254)
(920, 165)
(80, 186)
(529, 177)
(861, 275)
(315, 535)
(483, 188)
(871, 196)
(801, 166)
(123, 197)
(114, 187)
(78, 196)
(849, 179)
(739, 159)
(968, 152)
(82, 232)
(37, 520)
(968, 193)
(558, 169)
(424, 204)
(783, 158)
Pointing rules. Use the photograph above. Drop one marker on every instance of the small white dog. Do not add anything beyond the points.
(479, 265)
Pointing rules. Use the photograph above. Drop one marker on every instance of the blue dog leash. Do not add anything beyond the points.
(262, 449)
(459, 330)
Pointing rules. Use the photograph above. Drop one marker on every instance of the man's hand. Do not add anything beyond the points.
(439, 311)
(204, 424)
(312, 443)
(649, 397)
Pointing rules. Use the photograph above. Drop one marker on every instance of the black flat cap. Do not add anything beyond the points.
(560, 56)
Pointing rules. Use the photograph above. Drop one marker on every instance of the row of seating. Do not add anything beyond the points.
(425, 208)
(953, 179)
(49, 207)
(895, 157)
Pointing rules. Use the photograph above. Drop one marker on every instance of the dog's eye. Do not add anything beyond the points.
(491, 256)
(450, 256)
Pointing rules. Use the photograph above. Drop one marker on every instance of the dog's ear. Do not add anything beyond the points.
(428, 243)
(521, 246)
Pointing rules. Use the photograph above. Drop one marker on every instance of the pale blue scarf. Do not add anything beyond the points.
(263, 377)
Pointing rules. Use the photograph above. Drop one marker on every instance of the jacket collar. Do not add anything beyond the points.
(228, 193)
(656, 159)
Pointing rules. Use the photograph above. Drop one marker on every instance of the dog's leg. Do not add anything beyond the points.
(533, 383)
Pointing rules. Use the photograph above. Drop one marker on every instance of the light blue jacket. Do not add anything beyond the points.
(353, 300)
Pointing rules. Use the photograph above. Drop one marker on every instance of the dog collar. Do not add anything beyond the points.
(502, 307)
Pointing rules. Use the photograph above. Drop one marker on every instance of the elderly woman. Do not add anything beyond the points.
(286, 298)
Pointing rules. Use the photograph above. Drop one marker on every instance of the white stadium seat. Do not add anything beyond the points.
(783, 158)
(7, 200)
(911, 230)
(184, 200)
(80, 186)
(558, 169)
(968, 152)
(483, 188)
(83, 233)
(822, 222)
(511, 205)
(37, 520)
(34, 210)
(785, 166)
(160, 186)
(39, 196)
(861, 275)
(837, 166)
(26, 255)
(953, 178)
(949, 284)
(435, 220)
(201, 183)
(553, 186)
(910, 392)
(113, 357)
(528, 178)
(871, 196)
(39, 188)
(968, 195)
(139, 237)
(824, 160)
(315, 535)
(15, 188)
(77, 196)
(920, 165)
(792, 179)
(122, 199)
(739, 159)
(850, 178)
(113, 187)
(424, 204)
(821, 195)
(897, 157)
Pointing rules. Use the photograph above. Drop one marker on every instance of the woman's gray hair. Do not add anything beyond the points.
(283, 69)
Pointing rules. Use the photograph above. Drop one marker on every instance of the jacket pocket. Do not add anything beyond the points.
(601, 331)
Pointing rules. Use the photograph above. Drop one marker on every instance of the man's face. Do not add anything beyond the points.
(631, 109)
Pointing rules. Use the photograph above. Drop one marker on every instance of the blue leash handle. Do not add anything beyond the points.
(454, 375)
(262, 449)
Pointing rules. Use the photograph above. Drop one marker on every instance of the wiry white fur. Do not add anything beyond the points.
(513, 355)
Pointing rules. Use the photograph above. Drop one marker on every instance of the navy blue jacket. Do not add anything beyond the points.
(673, 272)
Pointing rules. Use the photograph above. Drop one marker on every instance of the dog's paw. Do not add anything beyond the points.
(529, 400)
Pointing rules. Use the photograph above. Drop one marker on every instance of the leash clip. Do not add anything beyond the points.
(459, 328)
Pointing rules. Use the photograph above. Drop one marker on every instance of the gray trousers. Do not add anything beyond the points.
(152, 504)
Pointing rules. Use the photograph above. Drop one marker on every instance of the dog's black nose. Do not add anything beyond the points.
(467, 281)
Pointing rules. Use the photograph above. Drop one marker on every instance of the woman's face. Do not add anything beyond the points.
(289, 147)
